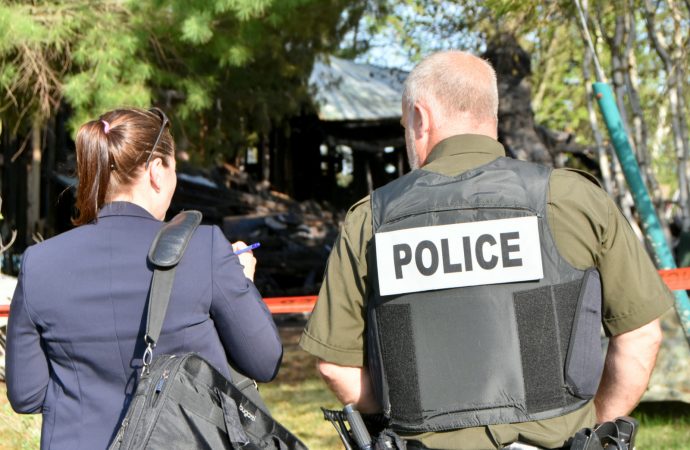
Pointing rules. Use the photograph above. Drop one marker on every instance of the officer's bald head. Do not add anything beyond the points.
(456, 85)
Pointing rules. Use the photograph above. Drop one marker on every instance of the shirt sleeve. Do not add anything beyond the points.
(244, 323)
(590, 231)
(26, 364)
(336, 328)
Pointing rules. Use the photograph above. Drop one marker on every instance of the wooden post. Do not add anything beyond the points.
(370, 178)
(265, 158)
(401, 162)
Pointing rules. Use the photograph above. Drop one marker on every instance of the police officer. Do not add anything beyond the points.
(465, 299)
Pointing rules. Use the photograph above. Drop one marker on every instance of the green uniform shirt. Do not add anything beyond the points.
(588, 230)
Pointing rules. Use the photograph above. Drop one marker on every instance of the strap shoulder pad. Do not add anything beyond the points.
(172, 239)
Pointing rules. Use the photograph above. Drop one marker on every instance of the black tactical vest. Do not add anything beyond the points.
(452, 358)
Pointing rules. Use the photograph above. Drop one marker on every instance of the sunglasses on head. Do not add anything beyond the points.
(164, 122)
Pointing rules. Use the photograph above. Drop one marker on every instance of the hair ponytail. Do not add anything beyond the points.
(110, 155)
(93, 171)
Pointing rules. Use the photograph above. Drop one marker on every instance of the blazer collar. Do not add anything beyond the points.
(124, 209)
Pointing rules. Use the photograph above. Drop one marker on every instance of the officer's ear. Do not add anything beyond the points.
(421, 120)
(422, 127)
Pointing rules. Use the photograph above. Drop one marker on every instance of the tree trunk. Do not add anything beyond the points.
(622, 194)
(679, 58)
(639, 125)
(516, 127)
(33, 210)
(677, 115)
(550, 67)
(616, 45)
(49, 198)
(602, 155)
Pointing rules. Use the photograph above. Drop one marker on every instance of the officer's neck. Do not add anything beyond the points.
(449, 128)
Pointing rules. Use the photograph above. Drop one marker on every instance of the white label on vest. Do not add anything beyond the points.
(463, 254)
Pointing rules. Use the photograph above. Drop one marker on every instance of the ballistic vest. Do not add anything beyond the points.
(461, 332)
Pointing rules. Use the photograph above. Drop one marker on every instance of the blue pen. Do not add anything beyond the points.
(248, 248)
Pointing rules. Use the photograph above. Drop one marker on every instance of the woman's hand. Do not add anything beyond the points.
(246, 259)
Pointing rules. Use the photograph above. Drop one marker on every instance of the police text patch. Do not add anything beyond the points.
(464, 254)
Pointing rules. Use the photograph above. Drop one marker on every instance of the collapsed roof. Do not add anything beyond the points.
(348, 91)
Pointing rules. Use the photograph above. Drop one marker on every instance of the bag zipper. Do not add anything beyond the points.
(121, 431)
(156, 410)
(157, 388)
(138, 410)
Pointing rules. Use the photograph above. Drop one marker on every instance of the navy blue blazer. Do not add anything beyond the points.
(77, 318)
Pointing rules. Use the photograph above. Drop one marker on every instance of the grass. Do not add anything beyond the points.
(298, 392)
(663, 425)
(20, 432)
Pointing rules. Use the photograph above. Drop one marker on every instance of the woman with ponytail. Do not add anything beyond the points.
(77, 317)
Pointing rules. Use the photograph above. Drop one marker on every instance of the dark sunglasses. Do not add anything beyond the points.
(164, 123)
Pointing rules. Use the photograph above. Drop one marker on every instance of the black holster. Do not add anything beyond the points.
(382, 437)
(618, 434)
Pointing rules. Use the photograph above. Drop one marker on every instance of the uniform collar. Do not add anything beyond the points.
(124, 209)
(466, 143)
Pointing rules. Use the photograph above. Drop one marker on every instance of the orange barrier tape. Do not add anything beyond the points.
(291, 305)
(675, 279)
(277, 305)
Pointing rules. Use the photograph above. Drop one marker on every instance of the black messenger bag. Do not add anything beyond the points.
(182, 401)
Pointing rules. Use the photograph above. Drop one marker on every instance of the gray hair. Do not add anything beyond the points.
(453, 82)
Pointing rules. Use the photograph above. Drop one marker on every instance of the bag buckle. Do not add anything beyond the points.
(148, 355)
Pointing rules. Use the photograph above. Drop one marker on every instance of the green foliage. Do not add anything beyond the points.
(226, 70)
(235, 56)
(252, 70)
(15, 27)
(80, 51)
(197, 28)
(243, 9)
(110, 70)
(7, 74)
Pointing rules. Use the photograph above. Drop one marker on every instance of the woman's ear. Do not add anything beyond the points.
(156, 173)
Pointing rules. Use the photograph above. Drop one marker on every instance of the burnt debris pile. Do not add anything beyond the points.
(295, 236)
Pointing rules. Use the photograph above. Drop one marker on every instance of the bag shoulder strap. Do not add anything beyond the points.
(166, 251)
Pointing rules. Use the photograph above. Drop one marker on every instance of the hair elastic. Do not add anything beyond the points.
(106, 126)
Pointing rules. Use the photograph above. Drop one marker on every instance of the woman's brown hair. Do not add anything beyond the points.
(112, 150)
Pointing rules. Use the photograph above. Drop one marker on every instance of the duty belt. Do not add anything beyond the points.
(615, 435)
